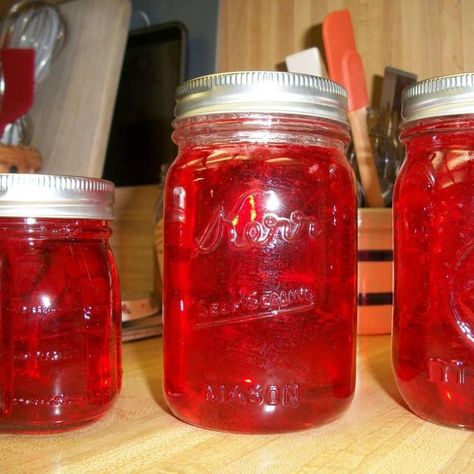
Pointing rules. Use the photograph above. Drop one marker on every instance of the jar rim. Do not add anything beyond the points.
(256, 127)
(261, 92)
(55, 196)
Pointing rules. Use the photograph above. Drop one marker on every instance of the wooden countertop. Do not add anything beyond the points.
(377, 434)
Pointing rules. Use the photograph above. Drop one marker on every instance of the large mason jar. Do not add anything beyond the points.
(260, 254)
(433, 328)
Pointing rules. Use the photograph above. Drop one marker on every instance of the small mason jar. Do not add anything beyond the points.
(260, 254)
(60, 312)
(433, 327)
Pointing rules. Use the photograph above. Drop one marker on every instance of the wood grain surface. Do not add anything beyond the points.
(426, 37)
(376, 435)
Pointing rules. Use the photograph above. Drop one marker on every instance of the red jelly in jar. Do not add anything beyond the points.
(433, 331)
(260, 254)
(60, 312)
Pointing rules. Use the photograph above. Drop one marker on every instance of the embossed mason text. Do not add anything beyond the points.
(287, 395)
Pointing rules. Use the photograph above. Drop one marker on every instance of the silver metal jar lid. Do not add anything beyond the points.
(261, 92)
(38, 195)
(439, 96)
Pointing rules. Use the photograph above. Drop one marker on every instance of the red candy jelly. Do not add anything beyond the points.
(260, 254)
(433, 331)
(59, 303)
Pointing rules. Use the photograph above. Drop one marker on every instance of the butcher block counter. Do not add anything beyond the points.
(376, 434)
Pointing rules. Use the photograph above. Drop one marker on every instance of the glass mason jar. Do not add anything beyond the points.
(260, 254)
(60, 312)
(433, 328)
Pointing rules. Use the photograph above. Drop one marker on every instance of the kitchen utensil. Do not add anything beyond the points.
(345, 66)
(308, 61)
(18, 71)
(19, 132)
(394, 81)
(384, 129)
(384, 150)
(31, 25)
(36, 25)
(338, 37)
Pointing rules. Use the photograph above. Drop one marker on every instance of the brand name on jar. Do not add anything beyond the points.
(453, 371)
(287, 395)
(254, 305)
(243, 229)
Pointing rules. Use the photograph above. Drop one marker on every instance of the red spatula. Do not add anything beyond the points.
(338, 37)
(18, 73)
(345, 67)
